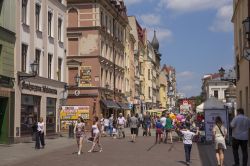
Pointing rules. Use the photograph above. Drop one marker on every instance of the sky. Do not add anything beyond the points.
(196, 36)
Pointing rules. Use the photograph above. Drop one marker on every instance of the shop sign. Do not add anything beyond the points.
(36, 88)
(85, 76)
(70, 114)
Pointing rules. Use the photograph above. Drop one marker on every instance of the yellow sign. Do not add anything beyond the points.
(85, 76)
(70, 114)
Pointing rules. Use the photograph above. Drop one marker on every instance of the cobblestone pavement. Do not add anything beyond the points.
(116, 152)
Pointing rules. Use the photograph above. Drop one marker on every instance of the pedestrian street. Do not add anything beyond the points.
(62, 151)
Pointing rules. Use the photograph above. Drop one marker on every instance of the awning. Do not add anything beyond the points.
(124, 106)
(110, 104)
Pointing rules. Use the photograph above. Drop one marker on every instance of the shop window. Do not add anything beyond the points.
(51, 115)
(30, 113)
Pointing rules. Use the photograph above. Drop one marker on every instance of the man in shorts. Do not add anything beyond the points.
(134, 127)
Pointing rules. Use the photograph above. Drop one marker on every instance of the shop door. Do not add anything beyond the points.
(3, 120)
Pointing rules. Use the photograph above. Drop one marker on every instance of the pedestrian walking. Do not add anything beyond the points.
(163, 122)
(79, 130)
(240, 127)
(106, 126)
(159, 130)
(138, 125)
(147, 123)
(40, 135)
(96, 132)
(111, 121)
(133, 127)
(187, 141)
(102, 125)
(219, 136)
(168, 129)
(121, 123)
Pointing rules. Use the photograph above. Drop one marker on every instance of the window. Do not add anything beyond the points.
(38, 9)
(38, 53)
(50, 23)
(59, 69)
(149, 92)
(24, 57)
(148, 74)
(101, 18)
(59, 29)
(216, 93)
(24, 11)
(51, 115)
(49, 65)
(246, 99)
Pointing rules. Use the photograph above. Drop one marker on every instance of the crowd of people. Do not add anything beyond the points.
(185, 126)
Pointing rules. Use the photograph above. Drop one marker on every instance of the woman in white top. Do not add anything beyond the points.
(40, 134)
(79, 131)
(96, 129)
(219, 135)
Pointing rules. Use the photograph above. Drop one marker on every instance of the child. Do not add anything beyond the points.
(187, 140)
(159, 130)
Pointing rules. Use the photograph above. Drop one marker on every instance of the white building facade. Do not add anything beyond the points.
(40, 38)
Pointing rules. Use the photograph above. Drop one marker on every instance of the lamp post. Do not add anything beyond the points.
(34, 69)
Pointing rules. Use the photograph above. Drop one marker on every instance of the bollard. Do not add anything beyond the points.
(71, 130)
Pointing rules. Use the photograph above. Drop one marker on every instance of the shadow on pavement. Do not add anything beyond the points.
(182, 162)
(151, 147)
(206, 155)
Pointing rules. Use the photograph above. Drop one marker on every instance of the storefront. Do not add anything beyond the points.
(37, 98)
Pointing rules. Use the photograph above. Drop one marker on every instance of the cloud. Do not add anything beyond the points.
(151, 19)
(222, 22)
(192, 5)
(185, 74)
(131, 2)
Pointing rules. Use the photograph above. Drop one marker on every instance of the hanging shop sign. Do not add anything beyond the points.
(85, 76)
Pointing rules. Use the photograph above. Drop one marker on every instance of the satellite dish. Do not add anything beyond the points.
(246, 54)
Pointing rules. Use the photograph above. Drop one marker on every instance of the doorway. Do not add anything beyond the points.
(3, 120)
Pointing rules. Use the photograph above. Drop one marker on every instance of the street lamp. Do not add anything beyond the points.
(34, 69)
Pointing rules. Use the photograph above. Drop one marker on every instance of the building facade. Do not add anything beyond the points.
(7, 94)
(41, 40)
(96, 44)
(241, 10)
(163, 91)
(140, 52)
(170, 74)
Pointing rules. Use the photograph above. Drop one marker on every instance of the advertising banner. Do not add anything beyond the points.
(70, 114)
(210, 116)
(85, 76)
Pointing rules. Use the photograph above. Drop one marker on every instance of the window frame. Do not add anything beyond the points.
(24, 51)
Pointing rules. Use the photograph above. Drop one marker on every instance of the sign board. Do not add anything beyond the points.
(85, 76)
(185, 106)
(210, 116)
(70, 114)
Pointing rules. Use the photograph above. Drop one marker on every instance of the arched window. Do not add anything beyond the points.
(72, 18)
